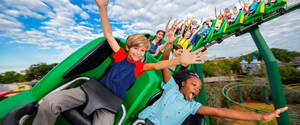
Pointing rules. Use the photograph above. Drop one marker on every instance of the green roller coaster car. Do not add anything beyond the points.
(276, 6)
(88, 61)
(238, 22)
(221, 31)
(259, 12)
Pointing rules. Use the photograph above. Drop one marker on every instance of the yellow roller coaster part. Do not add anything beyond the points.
(242, 18)
(225, 27)
(22, 87)
(262, 8)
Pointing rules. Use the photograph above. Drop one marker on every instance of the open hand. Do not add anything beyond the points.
(194, 57)
(171, 31)
(270, 116)
(101, 3)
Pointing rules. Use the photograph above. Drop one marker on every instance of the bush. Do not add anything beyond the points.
(209, 68)
(289, 74)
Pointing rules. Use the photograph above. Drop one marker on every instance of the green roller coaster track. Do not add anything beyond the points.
(140, 93)
(271, 64)
(226, 90)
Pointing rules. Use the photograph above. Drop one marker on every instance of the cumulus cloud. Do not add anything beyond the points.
(26, 8)
(60, 30)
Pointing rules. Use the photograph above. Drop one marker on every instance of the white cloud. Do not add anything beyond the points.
(27, 8)
(14, 13)
(92, 8)
(9, 24)
(84, 15)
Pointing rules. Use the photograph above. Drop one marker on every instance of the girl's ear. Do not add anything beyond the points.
(182, 83)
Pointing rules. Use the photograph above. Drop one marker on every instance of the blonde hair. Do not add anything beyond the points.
(137, 40)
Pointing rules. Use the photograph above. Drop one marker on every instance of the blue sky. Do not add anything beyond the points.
(34, 31)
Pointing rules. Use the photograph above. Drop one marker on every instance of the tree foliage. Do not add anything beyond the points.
(11, 77)
(35, 71)
(282, 55)
(289, 74)
(220, 67)
(38, 71)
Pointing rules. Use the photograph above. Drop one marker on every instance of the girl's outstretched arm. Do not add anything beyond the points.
(216, 13)
(233, 114)
(194, 34)
(167, 25)
(170, 39)
(183, 27)
(160, 49)
(185, 59)
(102, 6)
(190, 23)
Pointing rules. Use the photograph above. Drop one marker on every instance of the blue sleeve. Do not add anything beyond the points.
(194, 106)
(170, 84)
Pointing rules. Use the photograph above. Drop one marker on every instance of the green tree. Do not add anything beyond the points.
(236, 67)
(11, 77)
(38, 71)
(1, 78)
(282, 55)
(289, 74)
(209, 68)
(225, 66)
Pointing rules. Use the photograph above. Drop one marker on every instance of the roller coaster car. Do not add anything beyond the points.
(203, 41)
(89, 61)
(98, 97)
(190, 120)
(276, 6)
(259, 11)
(221, 31)
(237, 23)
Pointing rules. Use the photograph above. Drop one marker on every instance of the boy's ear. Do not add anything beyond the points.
(127, 48)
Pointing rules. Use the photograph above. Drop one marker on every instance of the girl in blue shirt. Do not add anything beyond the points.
(156, 43)
(177, 103)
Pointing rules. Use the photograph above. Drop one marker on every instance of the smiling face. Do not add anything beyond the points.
(136, 53)
(177, 52)
(194, 30)
(187, 34)
(159, 35)
(220, 16)
(194, 22)
(227, 10)
(190, 88)
(205, 25)
(234, 10)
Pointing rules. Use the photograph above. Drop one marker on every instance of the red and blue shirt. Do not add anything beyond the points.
(122, 74)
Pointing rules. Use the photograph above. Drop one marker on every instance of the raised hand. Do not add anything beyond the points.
(167, 25)
(171, 31)
(194, 57)
(101, 3)
(201, 21)
(270, 116)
